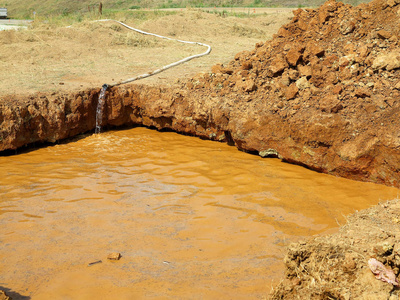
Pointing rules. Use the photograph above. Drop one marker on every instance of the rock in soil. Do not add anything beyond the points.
(3, 296)
(114, 256)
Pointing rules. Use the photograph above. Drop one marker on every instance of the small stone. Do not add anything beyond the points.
(227, 70)
(302, 83)
(330, 103)
(293, 57)
(291, 91)
(384, 248)
(3, 296)
(269, 153)
(362, 92)
(114, 256)
(250, 86)
(277, 66)
(349, 265)
(293, 74)
(347, 26)
(337, 89)
(304, 70)
(285, 80)
(389, 61)
(315, 50)
(283, 32)
(247, 65)
(384, 34)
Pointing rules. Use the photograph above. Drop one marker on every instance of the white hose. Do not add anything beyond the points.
(164, 67)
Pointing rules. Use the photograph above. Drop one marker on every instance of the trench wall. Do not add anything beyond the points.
(315, 141)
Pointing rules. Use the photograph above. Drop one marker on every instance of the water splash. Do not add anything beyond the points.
(100, 108)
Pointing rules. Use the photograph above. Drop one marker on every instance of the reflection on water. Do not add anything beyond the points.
(192, 219)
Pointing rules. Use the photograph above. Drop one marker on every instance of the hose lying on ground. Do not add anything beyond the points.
(164, 67)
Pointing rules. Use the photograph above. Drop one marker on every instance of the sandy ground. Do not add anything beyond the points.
(49, 58)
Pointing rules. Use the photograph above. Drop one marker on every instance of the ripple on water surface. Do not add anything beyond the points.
(191, 218)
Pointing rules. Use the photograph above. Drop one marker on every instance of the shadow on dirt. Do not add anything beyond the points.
(14, 295)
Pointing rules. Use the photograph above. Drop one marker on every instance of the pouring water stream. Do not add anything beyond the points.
(100, 107)
(101, 102)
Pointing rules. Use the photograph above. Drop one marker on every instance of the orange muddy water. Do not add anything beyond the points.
(192, 219)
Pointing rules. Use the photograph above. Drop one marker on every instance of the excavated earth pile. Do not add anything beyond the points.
(336, 266)
(324, 93)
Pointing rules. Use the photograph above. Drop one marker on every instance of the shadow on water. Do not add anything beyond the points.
(14, 295)
(35, 146)
(39, 145)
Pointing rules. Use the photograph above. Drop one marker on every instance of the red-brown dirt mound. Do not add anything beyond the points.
(330, 81)
(336, 266)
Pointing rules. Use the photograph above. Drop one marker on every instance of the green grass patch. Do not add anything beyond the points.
(23, 9)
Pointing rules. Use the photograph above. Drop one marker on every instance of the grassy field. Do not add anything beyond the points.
(25, 9)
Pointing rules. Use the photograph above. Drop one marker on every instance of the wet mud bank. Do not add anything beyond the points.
(324, 93)
(323, 142)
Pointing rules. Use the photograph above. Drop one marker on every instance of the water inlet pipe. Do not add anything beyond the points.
(162, 68)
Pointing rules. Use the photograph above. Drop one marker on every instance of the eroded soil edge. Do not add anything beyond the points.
(324, 93)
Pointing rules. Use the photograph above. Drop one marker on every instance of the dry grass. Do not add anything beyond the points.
(25, 9)
(51, 56)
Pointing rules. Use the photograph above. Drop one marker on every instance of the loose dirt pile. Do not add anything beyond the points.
(331, 75)
(336, 266)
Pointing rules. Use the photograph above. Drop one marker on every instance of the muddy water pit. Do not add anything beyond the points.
(192, 219)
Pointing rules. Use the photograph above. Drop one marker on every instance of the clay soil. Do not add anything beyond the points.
(335, 266)
(327, 86)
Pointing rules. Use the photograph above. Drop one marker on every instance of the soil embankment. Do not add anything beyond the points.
(324, 93)
(336, 266)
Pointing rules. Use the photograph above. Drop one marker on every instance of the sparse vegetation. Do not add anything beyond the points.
(78, 53)
(23, 9)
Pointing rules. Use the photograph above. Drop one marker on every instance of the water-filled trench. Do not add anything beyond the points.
(192, 219)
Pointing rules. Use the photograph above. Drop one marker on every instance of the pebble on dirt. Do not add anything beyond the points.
(114, 256)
